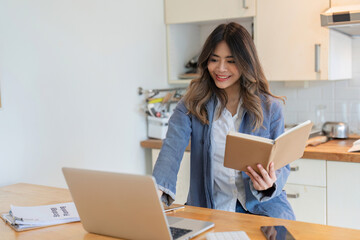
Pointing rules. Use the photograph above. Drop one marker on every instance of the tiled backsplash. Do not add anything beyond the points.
(341, 99)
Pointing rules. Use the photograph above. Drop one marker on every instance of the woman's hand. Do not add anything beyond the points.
(160, 193)
(265, 180)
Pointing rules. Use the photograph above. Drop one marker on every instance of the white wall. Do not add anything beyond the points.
(335, 95)
(69, 73)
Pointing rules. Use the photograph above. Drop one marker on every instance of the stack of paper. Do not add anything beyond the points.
(355, 147)
(24, 218)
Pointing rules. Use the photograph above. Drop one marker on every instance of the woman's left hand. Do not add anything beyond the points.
(265, 180)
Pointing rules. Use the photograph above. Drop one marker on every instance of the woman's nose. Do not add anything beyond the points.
(222, 66)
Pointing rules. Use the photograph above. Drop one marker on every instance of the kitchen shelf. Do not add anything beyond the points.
(185, 41)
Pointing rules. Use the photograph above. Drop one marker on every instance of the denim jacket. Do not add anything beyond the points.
(183, 126)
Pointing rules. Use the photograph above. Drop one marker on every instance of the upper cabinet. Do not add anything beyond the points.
(188, 25)
(292, 45)
(288, 35)
(335, 3)
(185, 11)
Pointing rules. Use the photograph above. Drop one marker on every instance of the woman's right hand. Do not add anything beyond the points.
(262, 181)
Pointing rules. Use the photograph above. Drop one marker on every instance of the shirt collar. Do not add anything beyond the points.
(239, 111)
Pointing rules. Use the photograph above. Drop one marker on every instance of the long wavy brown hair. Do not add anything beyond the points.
(252, 80)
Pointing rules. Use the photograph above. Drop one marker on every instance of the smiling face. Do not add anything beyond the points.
(222, 68)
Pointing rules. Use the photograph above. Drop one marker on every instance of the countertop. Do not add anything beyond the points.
(333, 150)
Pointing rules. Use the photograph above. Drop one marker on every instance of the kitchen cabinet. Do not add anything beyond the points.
(184, 41)
(309, 203)
(292, 45)
(288, 35)
(188, 26)
(343, 181)
(306, 190)
(335, 3)
(325, 192)
(186, 11)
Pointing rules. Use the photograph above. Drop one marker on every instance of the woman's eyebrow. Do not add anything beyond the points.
(214, 55)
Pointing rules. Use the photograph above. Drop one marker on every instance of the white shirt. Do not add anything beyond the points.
(228, 183)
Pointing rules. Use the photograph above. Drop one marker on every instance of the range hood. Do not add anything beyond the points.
(345, 19)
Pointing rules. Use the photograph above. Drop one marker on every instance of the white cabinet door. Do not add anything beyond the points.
(184, 11)
(335, 3)
(311, 172)
(183, 181)
(308, 202)
(343, 184)
(292, 45)
(286, 35)
(306, 190)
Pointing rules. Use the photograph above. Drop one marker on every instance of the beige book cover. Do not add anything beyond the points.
(242, 150)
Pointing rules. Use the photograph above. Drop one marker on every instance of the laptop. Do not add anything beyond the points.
(126, 206)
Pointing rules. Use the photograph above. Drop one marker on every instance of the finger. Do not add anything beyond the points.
(272, 173)
(252, 178)
(257, 178)
(264, 174)
(264, 181)
(252, 171)
(268, 180)
(262, 177)
(255, 183)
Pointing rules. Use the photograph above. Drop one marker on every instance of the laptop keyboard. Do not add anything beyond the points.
(178, 232)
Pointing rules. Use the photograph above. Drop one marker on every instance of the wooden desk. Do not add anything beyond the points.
(27, 195)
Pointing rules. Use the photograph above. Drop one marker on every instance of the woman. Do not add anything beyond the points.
(232, 93)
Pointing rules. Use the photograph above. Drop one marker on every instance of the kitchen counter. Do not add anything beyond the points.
(333, 150)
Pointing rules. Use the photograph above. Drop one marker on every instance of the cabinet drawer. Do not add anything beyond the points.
(308, 172)
(308, 202)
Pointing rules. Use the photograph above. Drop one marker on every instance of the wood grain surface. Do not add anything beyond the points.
(29, 195)
(334, 150)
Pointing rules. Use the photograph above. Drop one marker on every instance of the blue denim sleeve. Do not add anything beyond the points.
(276, 129)
(167, 165)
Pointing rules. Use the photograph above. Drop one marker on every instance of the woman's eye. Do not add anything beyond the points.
(212, 60)
(231, 61)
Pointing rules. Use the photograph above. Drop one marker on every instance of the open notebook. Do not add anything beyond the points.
(244, 150)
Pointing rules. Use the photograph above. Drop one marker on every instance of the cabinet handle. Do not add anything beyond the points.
(317, 58)
(294, 169)
(244, 5)
(293, 195)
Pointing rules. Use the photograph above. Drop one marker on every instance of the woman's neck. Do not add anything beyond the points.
(233, 95)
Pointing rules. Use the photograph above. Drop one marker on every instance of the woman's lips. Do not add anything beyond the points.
(222, 78)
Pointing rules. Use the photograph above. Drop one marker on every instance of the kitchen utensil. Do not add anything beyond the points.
(314, 141)
(336, 129)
